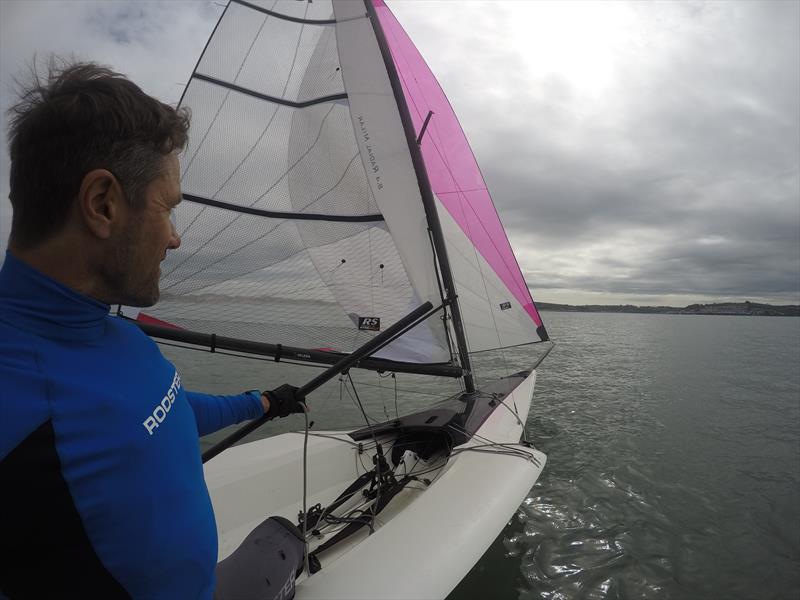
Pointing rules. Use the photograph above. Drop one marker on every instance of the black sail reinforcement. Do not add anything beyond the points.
(273, 214)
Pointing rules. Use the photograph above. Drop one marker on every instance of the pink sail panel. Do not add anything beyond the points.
(454, 174)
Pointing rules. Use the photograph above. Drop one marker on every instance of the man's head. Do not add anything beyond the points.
(94, 169)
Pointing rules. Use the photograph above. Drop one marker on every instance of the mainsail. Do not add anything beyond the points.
(303, 221)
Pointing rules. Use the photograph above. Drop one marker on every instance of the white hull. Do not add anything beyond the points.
(425, 540)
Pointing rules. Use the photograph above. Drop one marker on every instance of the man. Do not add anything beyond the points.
(101, 482)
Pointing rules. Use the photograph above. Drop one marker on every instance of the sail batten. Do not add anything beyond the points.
(301, 216)
(265, 97)
(273, 13)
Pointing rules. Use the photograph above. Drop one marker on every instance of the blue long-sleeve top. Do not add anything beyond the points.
(101, 481)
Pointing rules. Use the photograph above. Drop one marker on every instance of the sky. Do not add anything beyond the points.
(642, 153)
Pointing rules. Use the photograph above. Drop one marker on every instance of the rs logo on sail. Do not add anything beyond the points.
(162, 408)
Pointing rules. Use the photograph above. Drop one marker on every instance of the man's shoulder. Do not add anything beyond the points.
(23, 388)
(18, 356)
(127, 329)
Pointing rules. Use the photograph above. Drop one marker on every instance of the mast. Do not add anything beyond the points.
(428, 200)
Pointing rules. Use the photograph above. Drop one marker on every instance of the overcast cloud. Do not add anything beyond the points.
(645, 153)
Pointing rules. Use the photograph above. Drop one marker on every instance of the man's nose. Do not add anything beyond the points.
(174, 239)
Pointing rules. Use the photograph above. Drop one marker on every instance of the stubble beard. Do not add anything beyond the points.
(127, 276)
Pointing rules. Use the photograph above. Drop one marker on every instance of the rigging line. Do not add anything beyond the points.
(218, 233)
(500, 291)
(253, 147)
(517, 346)
(305, 487)
(378, 454)
(466, 337)
(515, 412)
(461, 191)
(477, 262)
(472, 435)
(222, 104)
(469, 234)
(383, 400)
(445, 318)
(486, 292)
(328, 515)
(396, 412)
(490, 443)
(505, 451)
(358, 457)
(423, 182)
(357, 403)
(331, 520)
(506, 447)
(440, 395)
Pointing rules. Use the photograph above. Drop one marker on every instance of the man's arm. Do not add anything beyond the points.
(215, 412)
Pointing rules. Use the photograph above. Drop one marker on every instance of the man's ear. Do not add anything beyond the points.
(100, 200)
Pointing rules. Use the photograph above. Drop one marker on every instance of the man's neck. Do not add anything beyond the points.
(59, 259)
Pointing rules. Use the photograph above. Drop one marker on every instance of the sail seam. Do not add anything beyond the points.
(271, 13)
(271, 99)
(260, 137)
(272, 214)
(222, 104)
(263, 235)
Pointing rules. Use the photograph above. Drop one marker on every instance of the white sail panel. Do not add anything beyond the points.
(283, 237)
(384, 149)
(281, 58)
(492, 316)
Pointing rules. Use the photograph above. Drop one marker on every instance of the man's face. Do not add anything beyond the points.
(133, 271)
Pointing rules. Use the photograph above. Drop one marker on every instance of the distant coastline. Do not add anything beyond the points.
(723, 308)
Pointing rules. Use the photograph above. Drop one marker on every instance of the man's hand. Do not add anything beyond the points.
(282, 401)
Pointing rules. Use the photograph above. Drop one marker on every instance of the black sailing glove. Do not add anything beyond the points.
(284, 401)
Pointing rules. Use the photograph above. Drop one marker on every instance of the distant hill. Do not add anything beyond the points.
(722, 308)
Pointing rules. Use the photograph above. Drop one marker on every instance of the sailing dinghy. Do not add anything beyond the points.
(334, 213)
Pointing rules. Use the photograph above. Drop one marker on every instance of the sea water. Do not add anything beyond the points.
(673, 446)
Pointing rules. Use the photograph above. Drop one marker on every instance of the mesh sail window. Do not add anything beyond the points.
(301, 222)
